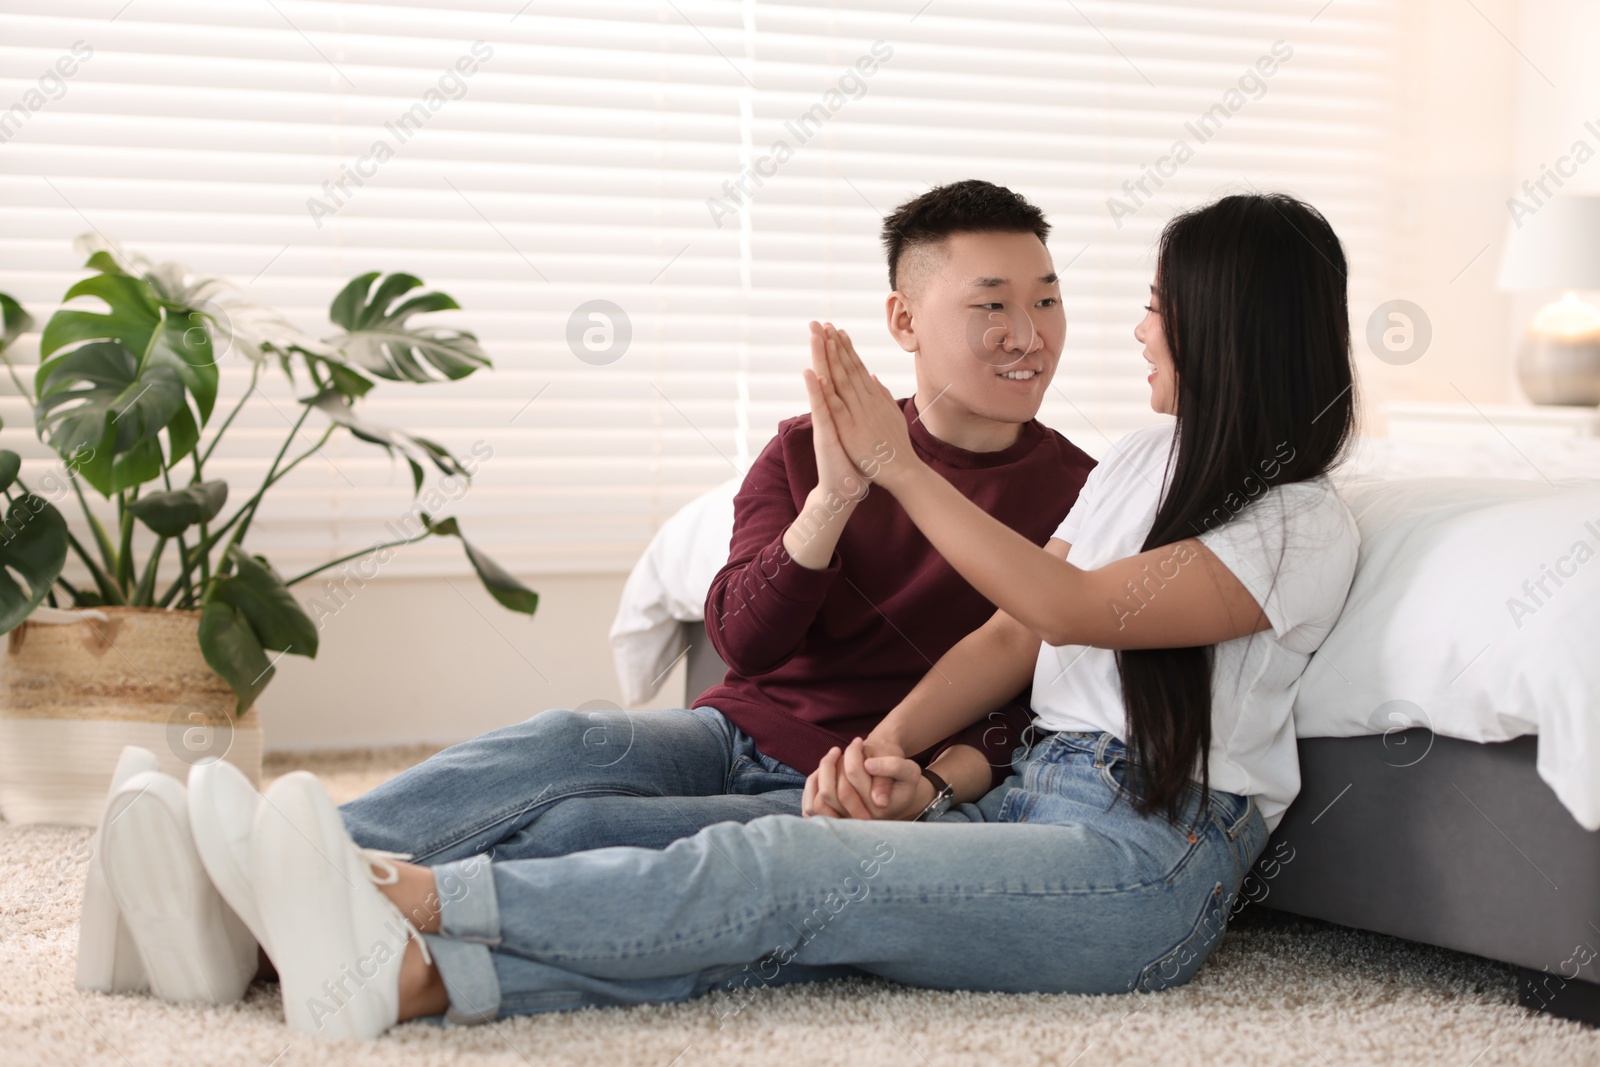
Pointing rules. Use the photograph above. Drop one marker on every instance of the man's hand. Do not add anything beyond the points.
(869, 424)
(866, 780)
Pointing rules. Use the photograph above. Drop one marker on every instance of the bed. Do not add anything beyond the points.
(1449, 749)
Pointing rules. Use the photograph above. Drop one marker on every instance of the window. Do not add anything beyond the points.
(715, 170)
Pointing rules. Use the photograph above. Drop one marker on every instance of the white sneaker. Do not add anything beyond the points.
(222, 813)
(108, 960)
(193, 946)
(337, 941)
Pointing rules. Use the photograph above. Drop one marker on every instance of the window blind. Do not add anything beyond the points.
(695, 178)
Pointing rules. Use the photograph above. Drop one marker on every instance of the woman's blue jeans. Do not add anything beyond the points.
(1049, 883)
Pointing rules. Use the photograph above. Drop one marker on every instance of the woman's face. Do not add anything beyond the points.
(1163, 377)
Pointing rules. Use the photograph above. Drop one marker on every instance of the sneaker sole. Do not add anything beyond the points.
(191, 943)
(108, 960)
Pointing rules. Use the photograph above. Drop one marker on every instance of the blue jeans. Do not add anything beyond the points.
(1049, 883)
(565, 781)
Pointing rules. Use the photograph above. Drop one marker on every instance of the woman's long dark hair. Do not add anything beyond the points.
(1252, 298)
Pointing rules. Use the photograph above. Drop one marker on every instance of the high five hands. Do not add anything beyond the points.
(849, 405)
(836, 472)
(866, 780)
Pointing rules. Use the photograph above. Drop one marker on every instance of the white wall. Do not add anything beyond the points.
(436, 660)
(1456, 91)
(1558, 96)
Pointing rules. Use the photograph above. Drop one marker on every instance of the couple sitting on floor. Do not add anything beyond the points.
(900, 571)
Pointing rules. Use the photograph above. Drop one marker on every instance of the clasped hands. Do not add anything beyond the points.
(867, 779)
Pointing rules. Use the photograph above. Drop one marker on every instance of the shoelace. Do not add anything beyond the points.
(378, 859)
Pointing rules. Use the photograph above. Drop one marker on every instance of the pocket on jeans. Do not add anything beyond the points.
(1179, 963)
(1231, 813)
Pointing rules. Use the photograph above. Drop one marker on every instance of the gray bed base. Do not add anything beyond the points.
(1433, 839)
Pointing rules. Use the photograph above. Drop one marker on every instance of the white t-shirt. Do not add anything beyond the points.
(1076, 687)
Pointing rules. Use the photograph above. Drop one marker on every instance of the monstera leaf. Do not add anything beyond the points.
(33, 546)
(159, 332)
(495, 578)
(333, 403)
(232, 650)
(235, 323)
(172, 512)
(100, 407)
(14, 321)
(246, 615)
(379, 339)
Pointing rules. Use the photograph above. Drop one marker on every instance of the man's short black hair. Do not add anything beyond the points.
(972, 206)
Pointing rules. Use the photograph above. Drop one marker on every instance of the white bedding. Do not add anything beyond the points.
(1475, 611)
(668, 586)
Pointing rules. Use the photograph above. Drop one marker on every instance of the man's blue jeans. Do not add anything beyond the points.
(1051, 882)
(566, 781)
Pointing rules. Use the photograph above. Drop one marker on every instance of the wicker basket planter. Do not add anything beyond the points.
(73, 693)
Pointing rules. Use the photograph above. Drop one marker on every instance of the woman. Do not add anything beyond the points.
(1201, 566)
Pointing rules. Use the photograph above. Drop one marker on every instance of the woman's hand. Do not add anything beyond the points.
(868, 422)
(866, 780)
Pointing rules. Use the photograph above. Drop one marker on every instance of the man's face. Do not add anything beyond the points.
(988, 322)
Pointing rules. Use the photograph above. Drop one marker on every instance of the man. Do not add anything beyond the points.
(831, 606)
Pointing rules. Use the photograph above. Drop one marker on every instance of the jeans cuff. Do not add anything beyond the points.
(469, 910)
(469, 926)
(467, 970)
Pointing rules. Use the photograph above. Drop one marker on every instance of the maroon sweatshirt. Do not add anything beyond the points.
(818, 657)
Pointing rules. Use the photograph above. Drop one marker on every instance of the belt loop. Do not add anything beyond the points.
(1100, 746)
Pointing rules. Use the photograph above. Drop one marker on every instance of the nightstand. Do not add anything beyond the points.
(1446, 423)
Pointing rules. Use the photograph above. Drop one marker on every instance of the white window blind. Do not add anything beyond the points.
(628, 153)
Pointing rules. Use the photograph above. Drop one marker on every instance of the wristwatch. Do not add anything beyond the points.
(942, 794)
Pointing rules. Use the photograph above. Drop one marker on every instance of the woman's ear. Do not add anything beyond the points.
(897, 314)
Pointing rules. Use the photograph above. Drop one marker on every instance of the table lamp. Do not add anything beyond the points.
(1556, 246)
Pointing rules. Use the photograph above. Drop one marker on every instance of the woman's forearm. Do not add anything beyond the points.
(980, 673)
(1041, 591)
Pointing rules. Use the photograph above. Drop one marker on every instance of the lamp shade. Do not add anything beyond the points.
(1556, 246)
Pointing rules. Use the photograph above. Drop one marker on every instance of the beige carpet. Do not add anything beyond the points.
(1277, 991)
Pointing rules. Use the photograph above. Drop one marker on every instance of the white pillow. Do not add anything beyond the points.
(1446, 625)
(668, 586)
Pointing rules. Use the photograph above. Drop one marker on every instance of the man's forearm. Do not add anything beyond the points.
(985, 669)
(967, 771)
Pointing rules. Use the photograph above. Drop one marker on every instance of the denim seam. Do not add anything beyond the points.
(1063, 745)
(700, 940)
(1195, 838)
(1212, 896)
(423, 854)
(908, 899)
(1235, 828)
(723, 736)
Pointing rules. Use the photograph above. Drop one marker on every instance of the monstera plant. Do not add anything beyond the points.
(126, 395)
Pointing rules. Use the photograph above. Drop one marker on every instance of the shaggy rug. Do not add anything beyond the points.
(1276, 991)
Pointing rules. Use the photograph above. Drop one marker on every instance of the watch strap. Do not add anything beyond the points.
(942, 792)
